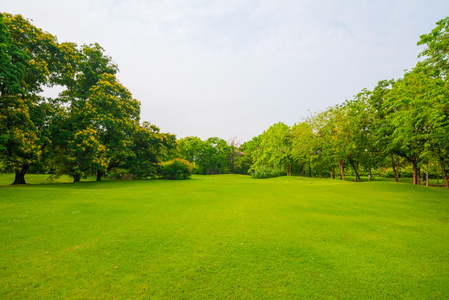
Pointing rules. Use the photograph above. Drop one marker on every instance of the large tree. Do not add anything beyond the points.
(27, 63)
(436, 52)
(115, 115)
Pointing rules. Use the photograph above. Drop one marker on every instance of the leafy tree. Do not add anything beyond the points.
(381, 128)
(209, 157)
(191, 148)
(248, 148)
(274, 149)
(149, 149)
(114, 114)
(215, 156)
(93, 100)
(304, 146)
(436, 53)
(409, 120)
(27, 63)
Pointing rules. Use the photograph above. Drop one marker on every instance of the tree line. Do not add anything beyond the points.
(94, 126)
(400, 123)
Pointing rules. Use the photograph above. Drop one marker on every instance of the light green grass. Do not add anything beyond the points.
(224, 237)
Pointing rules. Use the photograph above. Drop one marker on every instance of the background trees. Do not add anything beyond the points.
(93, 126)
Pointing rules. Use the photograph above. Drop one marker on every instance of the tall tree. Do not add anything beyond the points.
(27, 62)
(436, 53)
(115, 115)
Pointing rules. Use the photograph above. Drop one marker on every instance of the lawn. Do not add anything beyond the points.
(223, 237)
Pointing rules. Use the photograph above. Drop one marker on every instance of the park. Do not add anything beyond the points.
(223, 236)
(96, 203)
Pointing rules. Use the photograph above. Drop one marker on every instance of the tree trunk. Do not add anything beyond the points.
(446, 180)
(416, 173)
(20, 175)
(332, 172)
(395, 169)
(443, 171)
(310, 170)
(76, 178)
(99, 174)
(436, 175)
(370, 174)
(355, 168)
(341, 164)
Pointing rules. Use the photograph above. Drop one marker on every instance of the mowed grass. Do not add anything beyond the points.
(224, 237)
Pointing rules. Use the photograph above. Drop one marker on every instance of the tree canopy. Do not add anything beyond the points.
(93, 126)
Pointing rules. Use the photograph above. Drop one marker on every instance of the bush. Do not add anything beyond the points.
(177, 169)
(267, 172)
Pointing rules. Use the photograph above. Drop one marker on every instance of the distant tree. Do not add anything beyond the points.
(274, 149)
(149, 149)
(191, 148)
(381, 128)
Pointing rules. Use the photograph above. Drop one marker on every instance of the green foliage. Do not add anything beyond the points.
(176, 169)
(273, 148)
(266, 172)
(93, 125)
(149, 147)
(436, 53)
(208, 157)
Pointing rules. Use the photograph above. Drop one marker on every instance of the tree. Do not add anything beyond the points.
(27, 62)
(381, 128)
(304, 146)
(436, 53)
(93, 100)
(191, 149)
(149, 149)
(434, 70)
(114, 114)
(274, 149)
(215, 156)
(409, 120)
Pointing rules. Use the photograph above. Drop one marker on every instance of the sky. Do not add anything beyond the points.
(233, 68)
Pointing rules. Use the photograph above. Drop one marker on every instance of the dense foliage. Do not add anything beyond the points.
(266, 172)
(399, 128)
(176, 169)
(92, 127)
(400, 123)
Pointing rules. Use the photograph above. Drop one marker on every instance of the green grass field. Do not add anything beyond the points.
(223, 237)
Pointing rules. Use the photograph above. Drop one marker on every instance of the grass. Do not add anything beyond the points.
(224, 237)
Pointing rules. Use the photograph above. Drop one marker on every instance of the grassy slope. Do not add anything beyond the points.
(224, 237)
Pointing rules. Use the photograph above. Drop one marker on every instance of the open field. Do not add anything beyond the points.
(225, 236)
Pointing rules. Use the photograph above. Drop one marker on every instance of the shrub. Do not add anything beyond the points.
(267, 172)
(177, 169)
